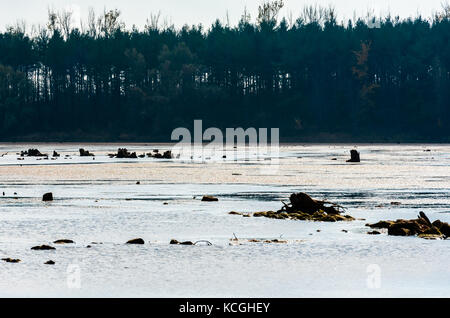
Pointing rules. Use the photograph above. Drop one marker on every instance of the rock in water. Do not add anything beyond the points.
(354, 156)
(175, 242)
(136, 241)
(47, 197)
(208, 198)
(64, 242)
(43, 248)
(11, 260)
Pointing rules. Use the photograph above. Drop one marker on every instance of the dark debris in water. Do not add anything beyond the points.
(303, 207)
(43, 248)
(236, 241)
(421, 227)
(176, 242)
(136, 241)
(11, 260)
(64, 241)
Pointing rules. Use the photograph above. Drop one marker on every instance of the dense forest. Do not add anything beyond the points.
(317, 79)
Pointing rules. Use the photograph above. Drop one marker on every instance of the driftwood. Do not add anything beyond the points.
(423, 216)
(421, 227)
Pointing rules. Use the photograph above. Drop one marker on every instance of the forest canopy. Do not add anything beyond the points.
(317, 79)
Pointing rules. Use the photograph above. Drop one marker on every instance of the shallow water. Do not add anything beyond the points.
(99, 201)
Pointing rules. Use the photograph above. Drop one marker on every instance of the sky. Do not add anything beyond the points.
(180, 12)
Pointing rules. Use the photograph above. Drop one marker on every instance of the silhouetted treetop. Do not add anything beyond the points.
(315, 78)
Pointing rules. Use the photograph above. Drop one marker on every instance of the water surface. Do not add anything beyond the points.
(98, 200)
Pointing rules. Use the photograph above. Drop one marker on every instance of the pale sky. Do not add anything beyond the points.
(190, 12)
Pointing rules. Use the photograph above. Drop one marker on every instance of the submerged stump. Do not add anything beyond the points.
(421, 227)
(303, 207)
(209, 198)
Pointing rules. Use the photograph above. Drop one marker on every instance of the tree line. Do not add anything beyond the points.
(371, 79)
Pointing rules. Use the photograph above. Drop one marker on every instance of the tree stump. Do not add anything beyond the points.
(354, 156)
(47, 197)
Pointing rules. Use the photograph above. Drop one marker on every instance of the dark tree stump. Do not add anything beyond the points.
(47, 197)
(354, 156)
(85, 153)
